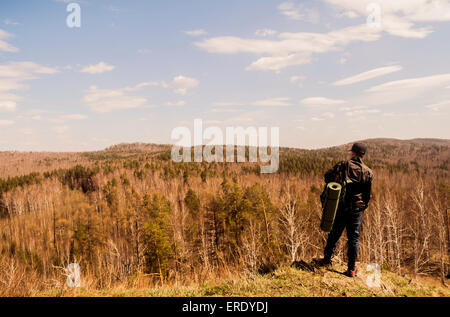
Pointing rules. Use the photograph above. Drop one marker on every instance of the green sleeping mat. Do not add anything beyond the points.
(330, 206)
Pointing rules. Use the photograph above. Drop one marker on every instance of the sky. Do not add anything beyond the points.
(326, 72)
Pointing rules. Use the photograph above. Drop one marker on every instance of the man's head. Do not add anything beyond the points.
(358, 150)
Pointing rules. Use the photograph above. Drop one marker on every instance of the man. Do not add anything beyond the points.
(356, 179)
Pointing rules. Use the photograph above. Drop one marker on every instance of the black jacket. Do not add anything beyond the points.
(356, 178)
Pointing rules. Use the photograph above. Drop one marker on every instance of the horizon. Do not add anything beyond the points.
(325, 72)
(281, 146)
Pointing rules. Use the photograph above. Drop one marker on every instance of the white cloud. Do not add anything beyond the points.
(142, 85)
(321, 101)
(399, 17)
(349, 14)
(405, 89)
(180, 84)
(343, 60)
(265, 32)
(229, 104)
(60, 129)
(273, 102)
(197, 32)
(99, 68)
(5, 46)
(408, 88)
(73, 117)
(324, 116)
(437, 107)
(270, 102)
(6, 122)
(290, 10)
(360, 112)
(10, 22)
(412, 84)
(176, 104)
(7, 106)
(107, 100)
(298, 12)
(279, 62)
(225, 110)
(62, 118)
(377, 72)
(295, 79)
(12, 75)
(290, 48)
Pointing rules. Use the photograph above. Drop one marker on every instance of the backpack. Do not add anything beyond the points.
(337, 174)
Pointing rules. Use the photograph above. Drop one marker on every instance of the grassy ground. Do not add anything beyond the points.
(284, 282)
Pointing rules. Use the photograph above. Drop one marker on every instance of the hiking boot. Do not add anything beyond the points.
(350, 273)
(324, 263)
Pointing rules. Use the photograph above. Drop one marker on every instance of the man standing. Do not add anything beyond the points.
(356, 179)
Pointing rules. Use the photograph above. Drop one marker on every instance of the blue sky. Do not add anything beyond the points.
(137, 69)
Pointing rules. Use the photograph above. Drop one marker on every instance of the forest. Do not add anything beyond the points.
(129, 216)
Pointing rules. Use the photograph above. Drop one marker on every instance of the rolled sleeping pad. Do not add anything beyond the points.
(330, 206)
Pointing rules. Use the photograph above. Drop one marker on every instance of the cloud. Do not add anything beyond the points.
(181, 84)
(5, 46)
(270, 102)
(290, 10)
(273, 102)
(10, 22)
(412, 84)
(377, 72)
(73, 117)
(108, 100)
(348, 14)
(298, 12)
(197, 32)
(279, 62)
(99, 68)
(290, 48)
(361, 112)
(324, 116)
(12, 75)
(225, 110)
(321, 101)
(176, 104)
(399, 18)
(295, 79)
(405, 89)
(265, 32)
(437, 107)
(60, 129)
(5, 105)
(62, 118)
(6, 123)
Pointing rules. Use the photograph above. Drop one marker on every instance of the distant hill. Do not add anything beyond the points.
(422, 153)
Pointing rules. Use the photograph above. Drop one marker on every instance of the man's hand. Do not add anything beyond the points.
(360, 205)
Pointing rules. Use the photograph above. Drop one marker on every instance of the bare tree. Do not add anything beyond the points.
(290, 227)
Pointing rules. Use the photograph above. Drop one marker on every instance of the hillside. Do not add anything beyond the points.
(284, 282)
(425, 153)
(133, 219)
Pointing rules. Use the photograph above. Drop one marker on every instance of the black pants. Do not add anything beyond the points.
(351, 220)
